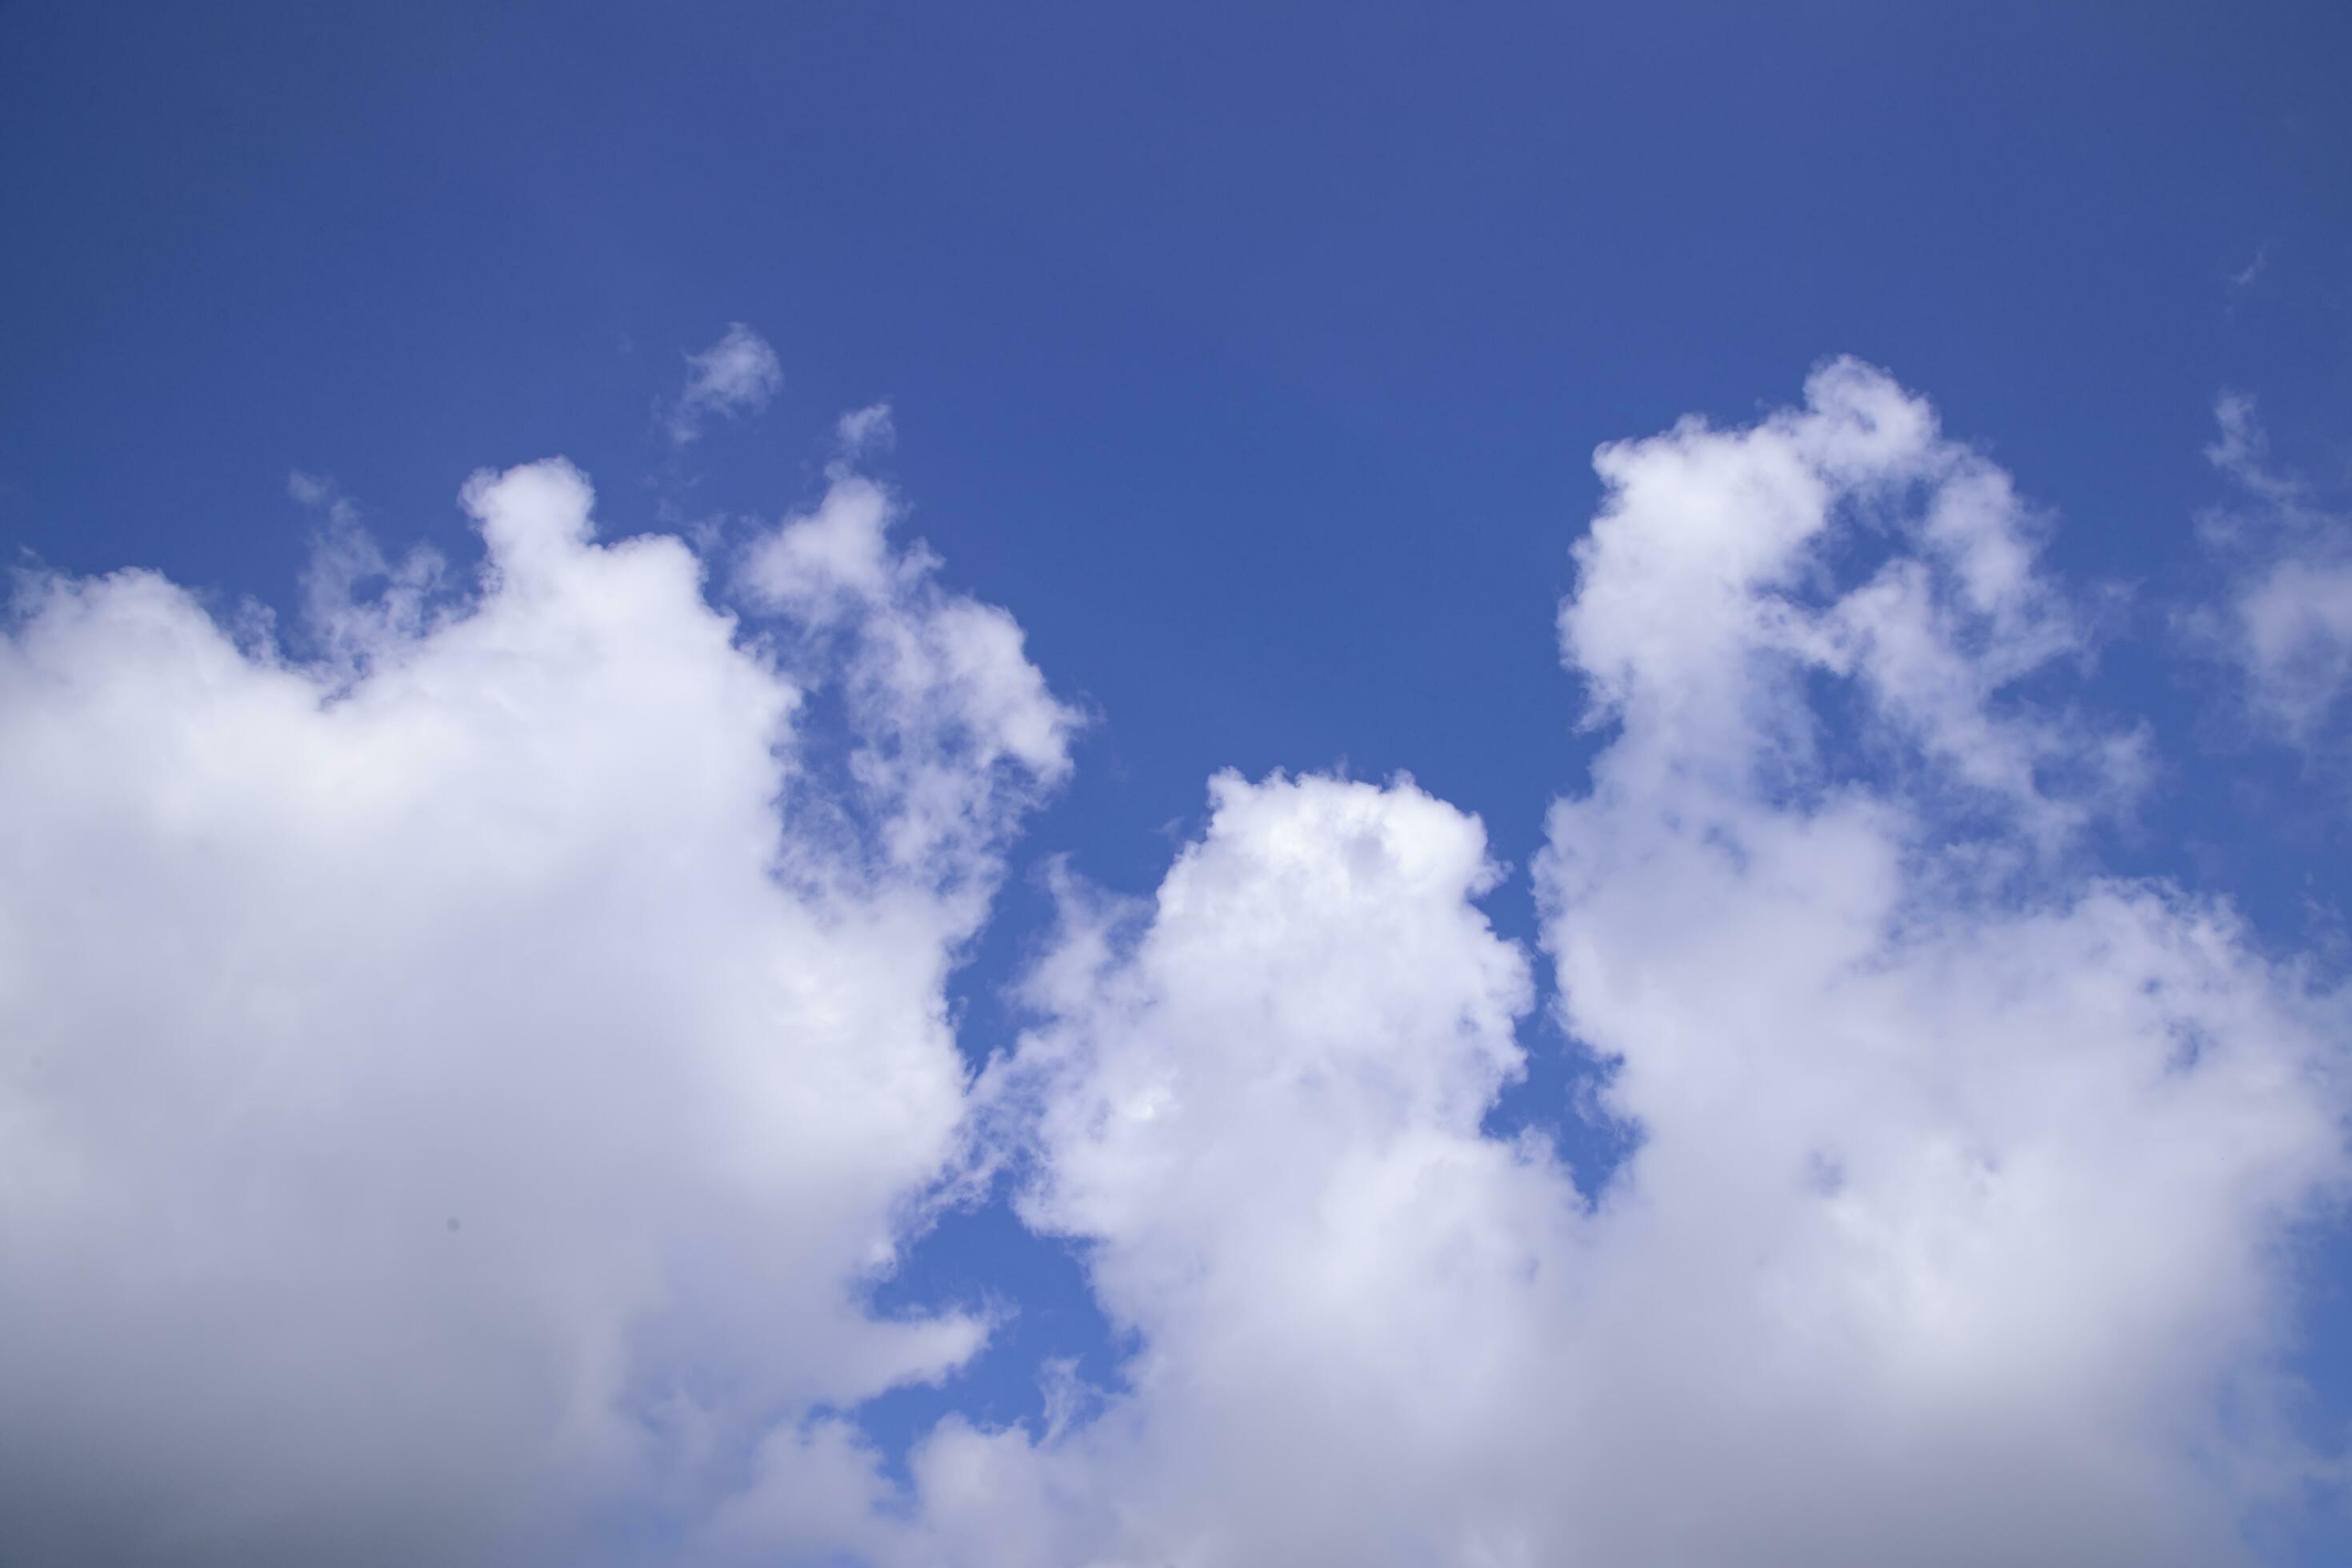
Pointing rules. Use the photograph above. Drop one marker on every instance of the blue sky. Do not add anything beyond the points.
(1254, 361)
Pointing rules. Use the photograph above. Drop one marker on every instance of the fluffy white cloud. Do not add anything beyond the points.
(452, 1090)
(2287, 624)
(452, 1093)
(1965, 1174)
(1955, 1229)
(738, 375)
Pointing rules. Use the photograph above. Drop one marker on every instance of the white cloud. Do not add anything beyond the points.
(945, 678)
(452, 1093)
(343, 621)
(863, 431)
(1954, 1232)
(1966, 1183)
(736, 375)
(2286, 621)
(1707, 555)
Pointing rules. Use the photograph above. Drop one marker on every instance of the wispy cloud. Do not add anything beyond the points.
(2284, 620)
(2245, 276)
(865, 431)
(738, 375)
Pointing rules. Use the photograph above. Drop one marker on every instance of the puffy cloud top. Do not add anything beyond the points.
(446, 1105)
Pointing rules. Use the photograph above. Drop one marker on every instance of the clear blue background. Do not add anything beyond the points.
(1253, 355)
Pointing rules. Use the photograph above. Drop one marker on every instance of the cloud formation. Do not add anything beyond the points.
(525, 1023)
(1955, 1230)
(1965, 1172)
(738, 375)
(456, 1090)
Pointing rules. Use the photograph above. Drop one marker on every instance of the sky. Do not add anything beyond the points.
(1198, 785)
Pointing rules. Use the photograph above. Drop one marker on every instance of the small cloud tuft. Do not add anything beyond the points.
(864, 431)
(738, 375)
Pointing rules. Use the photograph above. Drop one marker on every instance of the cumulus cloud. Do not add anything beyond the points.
(1953, 1230)
(738, 375)
(1965, 1184)
(455, 1091)
(2286, 624)
(524, 1024)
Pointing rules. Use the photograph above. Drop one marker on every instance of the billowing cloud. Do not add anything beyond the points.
(453, 1093)
(524, 1025)
(1953, 1232)
(2287, 622)
(738, 375)
(1965, 1174)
